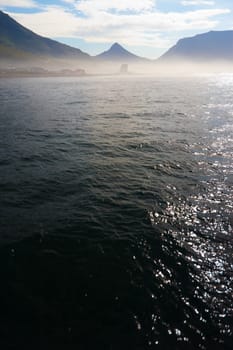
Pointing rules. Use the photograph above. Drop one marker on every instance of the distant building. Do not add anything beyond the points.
(37, 70)
(69, 72)
(66, 72)
(124, 69)
(80, 72)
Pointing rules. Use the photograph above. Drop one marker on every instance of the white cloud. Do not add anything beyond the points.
(18, 3)
(197, 2)
(69, 1)
(54, 21)
(111, 20)
(92, 6)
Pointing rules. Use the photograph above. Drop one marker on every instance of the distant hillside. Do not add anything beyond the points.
(9, 52)
(211, 46)
(18, 41)
(119, 53)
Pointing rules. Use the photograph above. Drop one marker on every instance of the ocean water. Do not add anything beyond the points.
(116, 213)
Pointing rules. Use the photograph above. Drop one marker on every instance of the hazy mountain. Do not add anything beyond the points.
(119, 53)
(10, 52)
(211, 46)
(18, 42)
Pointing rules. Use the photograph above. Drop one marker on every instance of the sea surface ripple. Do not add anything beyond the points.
(116, 213)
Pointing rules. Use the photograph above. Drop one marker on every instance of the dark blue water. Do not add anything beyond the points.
(116, 213)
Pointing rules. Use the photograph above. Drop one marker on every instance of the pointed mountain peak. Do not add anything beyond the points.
(117, 48)
(116, 45)
(117, 52)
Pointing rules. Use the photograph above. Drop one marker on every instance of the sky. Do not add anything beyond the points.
(145, 27)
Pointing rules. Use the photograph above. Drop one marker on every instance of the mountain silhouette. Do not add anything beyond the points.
(119, 53)
(20, 42)
(211, 46)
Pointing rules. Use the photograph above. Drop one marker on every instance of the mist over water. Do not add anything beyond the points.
(116, 213)
(160, 67)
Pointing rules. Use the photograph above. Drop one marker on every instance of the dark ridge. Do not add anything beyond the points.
(16, 37)
(211, 46)
(118, 52)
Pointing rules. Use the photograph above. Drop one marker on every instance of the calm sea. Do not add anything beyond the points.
(116, 213)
